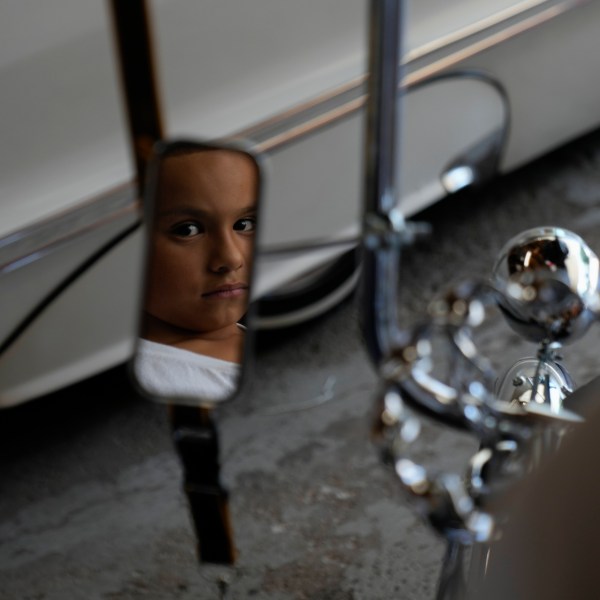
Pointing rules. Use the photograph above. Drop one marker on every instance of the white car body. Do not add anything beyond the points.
(286, 77)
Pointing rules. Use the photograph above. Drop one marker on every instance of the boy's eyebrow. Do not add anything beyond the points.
(183, 211)
(193, 211)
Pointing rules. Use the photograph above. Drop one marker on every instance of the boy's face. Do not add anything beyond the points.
(202, 241)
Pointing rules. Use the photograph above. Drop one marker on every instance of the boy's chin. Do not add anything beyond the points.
(217, 325)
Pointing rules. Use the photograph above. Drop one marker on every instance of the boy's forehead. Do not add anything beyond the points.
(219, 161)
(197, 178)
(209, 167)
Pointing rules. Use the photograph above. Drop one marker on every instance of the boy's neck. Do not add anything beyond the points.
(225, 343)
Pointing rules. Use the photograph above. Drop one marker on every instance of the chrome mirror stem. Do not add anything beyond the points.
(383, 225)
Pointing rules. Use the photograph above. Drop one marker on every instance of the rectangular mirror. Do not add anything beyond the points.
(201, 203)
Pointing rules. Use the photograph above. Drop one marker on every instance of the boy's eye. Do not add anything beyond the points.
(186, 230)
(246, 225)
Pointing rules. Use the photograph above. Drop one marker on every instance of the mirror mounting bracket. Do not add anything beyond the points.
(195, 437)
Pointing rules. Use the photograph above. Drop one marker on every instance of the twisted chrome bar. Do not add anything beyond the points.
(549, 302)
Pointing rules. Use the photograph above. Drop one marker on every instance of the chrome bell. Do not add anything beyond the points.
(548, 280)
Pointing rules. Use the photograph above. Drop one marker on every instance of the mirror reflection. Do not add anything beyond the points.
(200, 252)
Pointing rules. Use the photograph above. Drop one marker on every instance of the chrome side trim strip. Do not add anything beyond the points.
(421, 64)
(473, 29)
(35, 241)
(494, 39)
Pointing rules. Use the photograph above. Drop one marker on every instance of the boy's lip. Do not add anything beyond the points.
(230, 290)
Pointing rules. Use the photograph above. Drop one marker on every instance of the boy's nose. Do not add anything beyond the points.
(226, 256)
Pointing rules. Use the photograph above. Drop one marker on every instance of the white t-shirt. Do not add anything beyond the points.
(172, 373)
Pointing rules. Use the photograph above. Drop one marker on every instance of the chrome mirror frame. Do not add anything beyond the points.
(160, 152)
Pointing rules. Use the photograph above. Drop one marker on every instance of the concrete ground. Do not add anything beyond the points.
(90, 499)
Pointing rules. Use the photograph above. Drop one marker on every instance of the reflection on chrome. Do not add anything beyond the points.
(545, 283)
